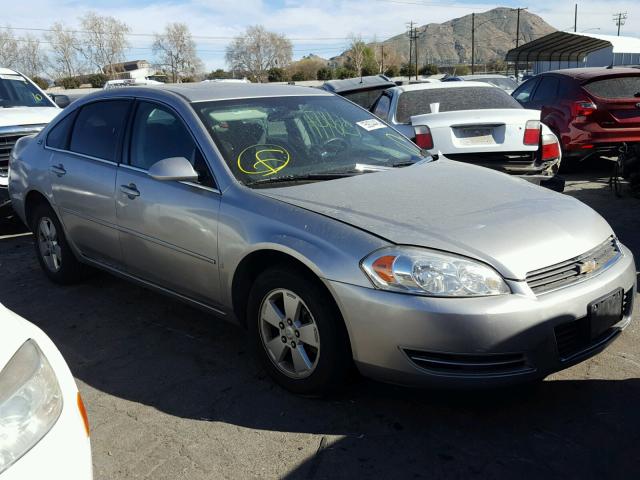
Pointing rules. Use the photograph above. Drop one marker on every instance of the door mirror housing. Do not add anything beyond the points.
(174, 168)
(60, 100)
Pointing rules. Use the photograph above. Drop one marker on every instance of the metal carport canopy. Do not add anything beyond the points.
(556, 46)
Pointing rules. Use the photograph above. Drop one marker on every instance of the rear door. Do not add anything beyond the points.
(83, 169)
(617, 99)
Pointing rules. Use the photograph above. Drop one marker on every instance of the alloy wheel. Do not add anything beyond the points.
(48, 244)
(289, 333)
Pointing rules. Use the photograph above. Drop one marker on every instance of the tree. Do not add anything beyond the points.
(176, 51)
(324, 73)
(64, 46)
(103, 42)
(31, 58)
(307, 68)
(356, 53)
(277, 74)
(8, 48)
(428, 69)
(218, 74)
(407, 69)
(258, 50)
(392, 71)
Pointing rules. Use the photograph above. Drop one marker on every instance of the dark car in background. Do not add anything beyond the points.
(593, 111)
(362, 90)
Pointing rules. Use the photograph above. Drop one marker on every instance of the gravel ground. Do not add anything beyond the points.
(172, 393)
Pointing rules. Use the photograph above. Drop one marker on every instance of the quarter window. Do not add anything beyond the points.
(158, 134)
(98, 129)
(59, 135)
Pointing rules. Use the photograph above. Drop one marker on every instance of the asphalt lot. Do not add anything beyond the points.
(172, 393)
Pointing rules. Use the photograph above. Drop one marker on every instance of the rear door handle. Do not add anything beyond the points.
(59, 170)
(130, 190)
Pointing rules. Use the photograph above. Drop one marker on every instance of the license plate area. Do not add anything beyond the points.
(471, 136)
(605, 312)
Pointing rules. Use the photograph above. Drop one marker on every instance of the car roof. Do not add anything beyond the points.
(358, 83)
(430, 86)
(8, 71)
(593, 72)
(212, 91)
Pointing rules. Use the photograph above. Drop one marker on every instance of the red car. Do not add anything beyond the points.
(593, 111)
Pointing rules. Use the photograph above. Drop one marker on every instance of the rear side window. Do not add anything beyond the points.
(619, 87)
(98, 129)
(59, 135)
(365, 99)
(419, 102)
(547, 90)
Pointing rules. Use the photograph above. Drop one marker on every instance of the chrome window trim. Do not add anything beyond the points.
(81, 155)
(191, 184)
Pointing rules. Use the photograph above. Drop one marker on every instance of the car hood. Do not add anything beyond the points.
(18, 116)
(15, 331)
(502, 220)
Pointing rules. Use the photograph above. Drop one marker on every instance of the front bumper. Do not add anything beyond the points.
(515, 333)
(5, 201)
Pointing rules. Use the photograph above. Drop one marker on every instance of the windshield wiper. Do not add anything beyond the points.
(306, 177)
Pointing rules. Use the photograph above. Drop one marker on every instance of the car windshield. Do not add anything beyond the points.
(16, 91)
(503, 83)
(418, 102)
(266, 140)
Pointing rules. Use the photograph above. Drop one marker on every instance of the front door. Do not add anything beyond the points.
(168, 229)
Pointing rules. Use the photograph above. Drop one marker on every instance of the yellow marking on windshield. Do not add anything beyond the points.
(266, 160)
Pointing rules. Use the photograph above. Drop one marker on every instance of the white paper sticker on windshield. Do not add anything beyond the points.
(371, 124)
(12, 77)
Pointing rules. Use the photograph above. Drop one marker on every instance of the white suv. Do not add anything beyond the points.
(24, 110)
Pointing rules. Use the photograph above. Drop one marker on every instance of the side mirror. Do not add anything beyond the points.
(174, 168)
(62, 100)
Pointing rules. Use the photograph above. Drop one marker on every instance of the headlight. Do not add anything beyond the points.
(427, 272)
(30, 402)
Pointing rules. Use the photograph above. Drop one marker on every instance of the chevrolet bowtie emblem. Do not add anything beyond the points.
(586, 266)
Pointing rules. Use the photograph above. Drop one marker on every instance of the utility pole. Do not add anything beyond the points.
(410, 46)
(415, 46)
(382, 57)
(619, 19)
(575, 19)
(473, 43)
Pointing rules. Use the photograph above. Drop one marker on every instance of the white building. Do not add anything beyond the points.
(560, 50)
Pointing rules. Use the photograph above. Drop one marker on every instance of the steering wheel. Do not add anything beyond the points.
(333, 147)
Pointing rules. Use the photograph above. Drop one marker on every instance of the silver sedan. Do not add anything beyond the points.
(330, 236)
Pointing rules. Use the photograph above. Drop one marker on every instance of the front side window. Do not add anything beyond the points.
(157, 134)
(523, 94)
(382, 107)
(262, 139)
(98, 129)
(16, 91)
(419, 102)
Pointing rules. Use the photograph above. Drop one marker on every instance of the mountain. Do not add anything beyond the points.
(450, 42)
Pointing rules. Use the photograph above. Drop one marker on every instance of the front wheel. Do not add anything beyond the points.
(298, 333)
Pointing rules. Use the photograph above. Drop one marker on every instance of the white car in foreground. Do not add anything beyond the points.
(44, 431)
(473, 122)
(24, 110)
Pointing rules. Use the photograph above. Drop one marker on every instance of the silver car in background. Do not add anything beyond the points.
(334, 239)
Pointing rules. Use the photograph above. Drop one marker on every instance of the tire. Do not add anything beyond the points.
(316, 336)
(56, 258)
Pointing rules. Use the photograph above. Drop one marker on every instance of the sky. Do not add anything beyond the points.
(321, 27)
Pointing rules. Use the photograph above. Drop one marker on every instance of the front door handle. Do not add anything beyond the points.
(58, 170)
(130, 190)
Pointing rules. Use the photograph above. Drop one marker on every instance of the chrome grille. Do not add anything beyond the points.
(572, 271)
(8, 140)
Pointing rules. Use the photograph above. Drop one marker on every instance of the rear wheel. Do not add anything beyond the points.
(298, 333)
(52, 249)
